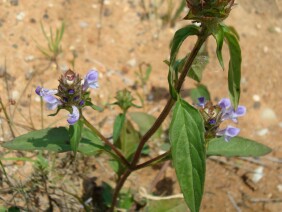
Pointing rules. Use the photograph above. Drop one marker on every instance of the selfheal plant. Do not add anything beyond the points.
(195, 132)
(72, 93)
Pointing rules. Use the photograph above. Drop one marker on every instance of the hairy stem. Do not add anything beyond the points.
(105, 140)
(187, 66)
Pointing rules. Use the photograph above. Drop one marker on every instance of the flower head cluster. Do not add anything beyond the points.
(214, 115)
(209, 11)
(71, 94)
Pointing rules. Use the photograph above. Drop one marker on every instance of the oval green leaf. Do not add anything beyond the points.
(237, 146)
(55, 140)
(188, 152)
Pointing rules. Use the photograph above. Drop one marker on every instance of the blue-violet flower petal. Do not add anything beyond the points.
(74, 116)
(202, 101)
(43, 91)
(228, 132)
(51, 102)
(91, 80)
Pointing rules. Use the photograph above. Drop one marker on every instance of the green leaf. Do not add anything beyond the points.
(125, 200)
(75, 132)
(199, 91)
(55, 140)
(234, 71)
(118, 126)
(219, 37)
(95, 107)
(107, 192)
(237, 146)
(188, 152)
(179, 37)
(169, 205)
(129, 139)
(144, 122)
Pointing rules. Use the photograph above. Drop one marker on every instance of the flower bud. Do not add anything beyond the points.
(124, 99)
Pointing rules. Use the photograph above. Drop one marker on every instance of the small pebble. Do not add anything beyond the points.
(265, 49)
(256, 98)
(37, 98)
(20, 16)
(15, 95)
(258, 174)
(263, 132)
(29, 58)
(268, 115)
(132, 62)
(277, 29)
(258, 26)
(83, 24)
(279, 187)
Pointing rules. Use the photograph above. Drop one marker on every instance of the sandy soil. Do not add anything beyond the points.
(116, 43)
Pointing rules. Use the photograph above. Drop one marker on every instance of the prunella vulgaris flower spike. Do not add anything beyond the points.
(209, 12)
(214, 115)
(71, 95)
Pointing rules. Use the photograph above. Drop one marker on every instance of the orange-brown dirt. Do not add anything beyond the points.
(115, 43)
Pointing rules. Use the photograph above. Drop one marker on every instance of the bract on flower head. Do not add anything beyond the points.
(214, 115)
(71, 94)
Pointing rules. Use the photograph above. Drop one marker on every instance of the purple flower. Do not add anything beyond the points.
(71, 95)
(214, 115)
(43, 91)
(202, 101)
(228, 111)
(91, 80)
(228, 133)
(51, 102)
(74, 116)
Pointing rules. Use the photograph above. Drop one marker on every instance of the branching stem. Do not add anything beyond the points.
(107, 142)
(187, 66)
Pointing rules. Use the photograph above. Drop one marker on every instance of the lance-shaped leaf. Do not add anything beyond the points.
(234, 71)
(219, 37)
(118, 126)
(179, 37)
(188, 152)
(237, 146)
(75, 133)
